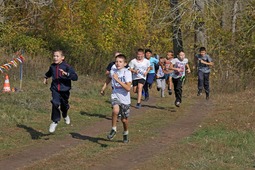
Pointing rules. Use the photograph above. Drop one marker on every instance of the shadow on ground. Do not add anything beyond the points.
(35, 135)
(94, 115)
(171, 109)
(91, 139)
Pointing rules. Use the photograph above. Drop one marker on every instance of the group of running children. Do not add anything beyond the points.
(138, 74)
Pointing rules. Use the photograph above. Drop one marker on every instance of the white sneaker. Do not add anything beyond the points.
(67, 120)
(53, 126)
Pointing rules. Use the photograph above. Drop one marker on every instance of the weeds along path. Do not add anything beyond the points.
(182, 127)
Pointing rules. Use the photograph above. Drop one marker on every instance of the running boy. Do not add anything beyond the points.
(140, 67)
(179, 65)
(203, 62)
(61, 74)
(160, 78)
(121, 79)
(168, 72)
(151, 74)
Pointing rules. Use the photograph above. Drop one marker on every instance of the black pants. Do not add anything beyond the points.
(59, 103)
(177, 89)
(203, 82)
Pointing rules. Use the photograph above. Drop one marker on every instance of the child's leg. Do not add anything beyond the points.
(163, 82)
(139, 92)
(178, 89)
(64, 103)
(135, 84)
(206, 83)
(159, 83)
(125, 124)
(200, 81)
(146, 89)
(115, 112)
(55, 115)
(170, 82)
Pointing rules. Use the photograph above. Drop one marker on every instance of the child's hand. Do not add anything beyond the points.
(102, 92)
(179, 70)
(45, 81)
(188, 71)
(202, 61)
(63, 72)
(115, 76)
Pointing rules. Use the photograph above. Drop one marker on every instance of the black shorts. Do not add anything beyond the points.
(140, 81)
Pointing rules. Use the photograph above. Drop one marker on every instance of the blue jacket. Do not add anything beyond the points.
(61, 82)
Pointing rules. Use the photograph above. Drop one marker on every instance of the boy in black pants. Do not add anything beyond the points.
(203, 61)
(61, 74)
(179, 66)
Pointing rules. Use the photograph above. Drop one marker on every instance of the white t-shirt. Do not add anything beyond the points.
(141, 66)
(179, 64)
(119, 94)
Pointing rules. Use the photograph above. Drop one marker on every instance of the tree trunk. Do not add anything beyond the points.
(200, 31)
(2, 18)
(177, 34)
(234, 19)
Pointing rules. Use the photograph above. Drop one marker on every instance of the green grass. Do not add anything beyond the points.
(26, 115)
(225, 140)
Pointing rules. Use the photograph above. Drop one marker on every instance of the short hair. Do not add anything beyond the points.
(180, 51)
(170, 51)
(140, 50)
(117, 53)
(122, 56)
(148, 50)
(60, 51)
(202, 49)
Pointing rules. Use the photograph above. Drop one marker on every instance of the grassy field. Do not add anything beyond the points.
(225, 140)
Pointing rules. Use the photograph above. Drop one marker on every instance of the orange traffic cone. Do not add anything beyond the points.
(7, 87)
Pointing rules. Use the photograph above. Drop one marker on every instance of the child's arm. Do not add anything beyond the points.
(125, 85)
(69, 74)
(176, 69)
(207, 63)
(107, 81)
(133, 70)
(147, 71)
(48, 74)
(188, 68)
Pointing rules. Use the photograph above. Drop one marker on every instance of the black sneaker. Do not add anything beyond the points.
(125, 139)
(207, 96)
(169, 91)
(138, 105)
(158, 88)
(111, 135)
(146, 99)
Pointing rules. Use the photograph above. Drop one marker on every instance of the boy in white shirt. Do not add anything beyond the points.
(121, 79)
(140, 67)
(179, 66)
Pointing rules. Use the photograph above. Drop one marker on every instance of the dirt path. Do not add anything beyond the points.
(184, 126)
(181, 128)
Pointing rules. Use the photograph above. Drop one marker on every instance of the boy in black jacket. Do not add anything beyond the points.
(61, 74)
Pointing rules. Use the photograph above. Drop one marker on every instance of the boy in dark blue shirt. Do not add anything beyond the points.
(61, 74)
